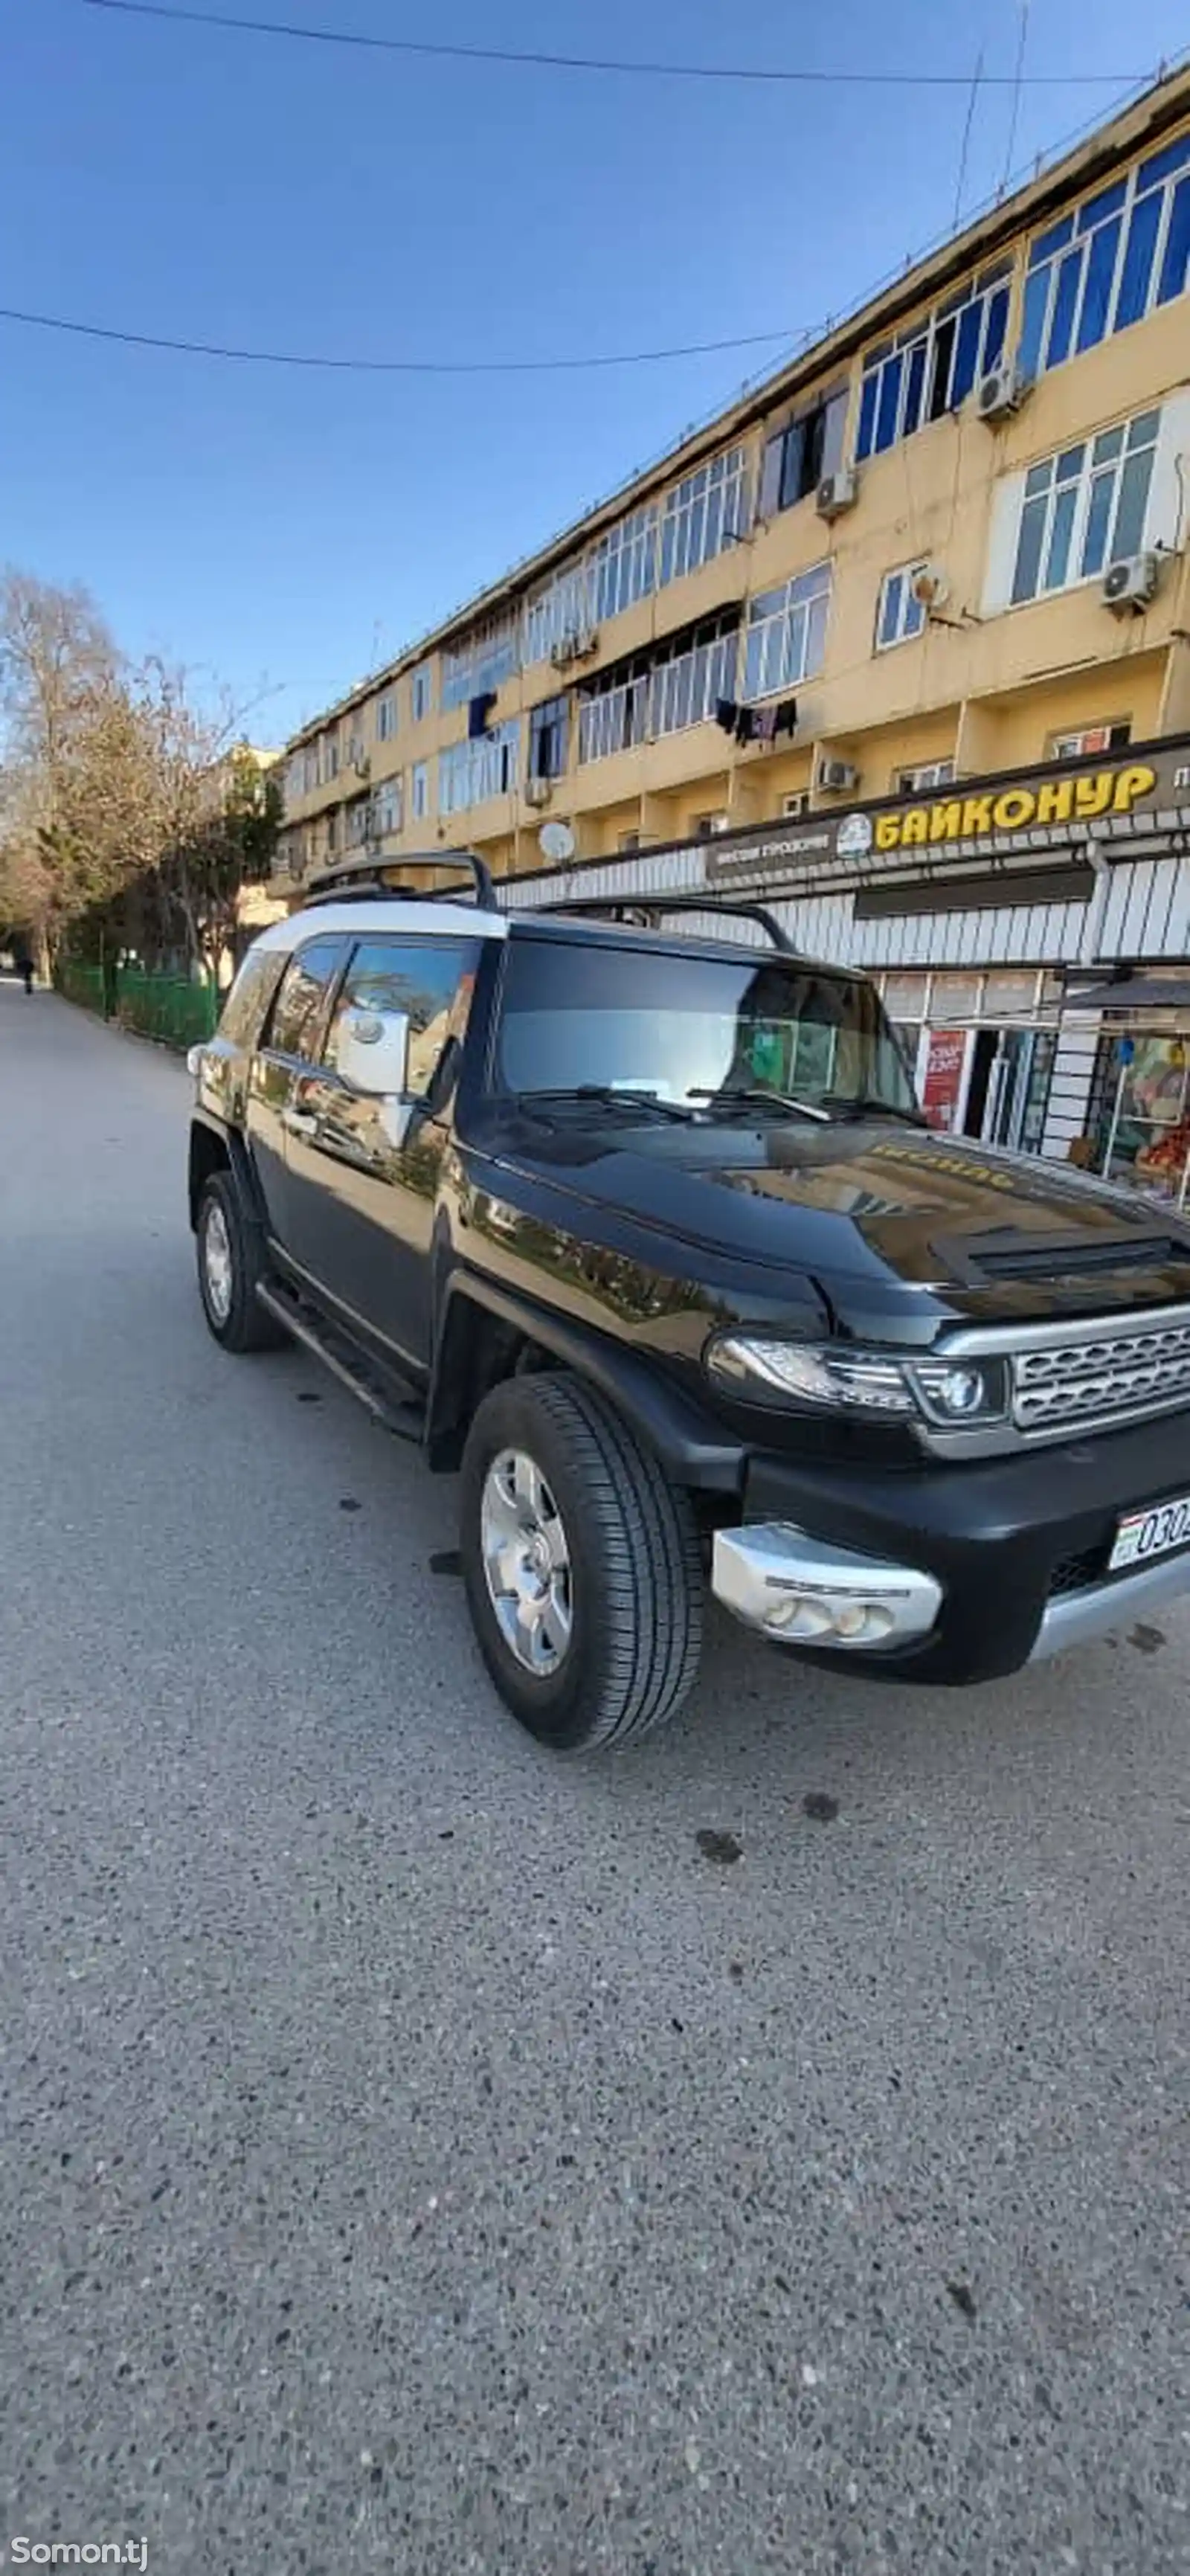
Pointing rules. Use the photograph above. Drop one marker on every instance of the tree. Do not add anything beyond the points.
(56, 658)
(122, 802)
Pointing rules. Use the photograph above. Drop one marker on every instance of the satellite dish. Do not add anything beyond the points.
(556, 841)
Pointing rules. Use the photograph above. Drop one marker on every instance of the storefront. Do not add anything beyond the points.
(977, 909)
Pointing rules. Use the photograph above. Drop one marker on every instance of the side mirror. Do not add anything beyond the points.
(373, 1053)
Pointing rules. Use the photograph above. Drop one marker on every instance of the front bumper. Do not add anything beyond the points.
(968, 1572)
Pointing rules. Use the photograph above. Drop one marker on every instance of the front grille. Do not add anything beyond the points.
(1078, 1573)
(1099, 1382)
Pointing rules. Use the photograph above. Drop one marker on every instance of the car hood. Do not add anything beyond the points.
(879, 1203)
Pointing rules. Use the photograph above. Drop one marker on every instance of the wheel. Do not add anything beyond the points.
(229, 1265)
(581, 1565)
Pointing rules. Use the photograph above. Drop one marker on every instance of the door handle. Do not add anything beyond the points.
(299, 1122)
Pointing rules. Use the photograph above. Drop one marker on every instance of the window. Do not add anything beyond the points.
(312, 768)
(548, 730)
(386, 716)
(624, 563)
(692, 673)
(662, 692)
(470, 772)
(899, 616)
(419, 790)
(295, 777)
(486, 659)
(357, 821)
(1085, 508)
(686, 1028)
(243, 1011)
(710, 826)
(796, 804)
(387, 808)
(421, 691)
(926, 775)
(330, 754)
(786, 633)
(423, 978)
(613, 711)
(1124, 252)
(704, 514)
(332, 832)
(796, 457)
(931, 368)
(298, 1008)
(565, 607)
(1092, 739)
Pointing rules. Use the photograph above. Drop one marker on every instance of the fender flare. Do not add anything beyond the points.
(695, 1450)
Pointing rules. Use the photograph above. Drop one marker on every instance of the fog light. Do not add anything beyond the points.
(851, 1620)
(800, 1615)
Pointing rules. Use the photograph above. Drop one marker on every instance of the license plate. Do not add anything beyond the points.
(1154, 1532)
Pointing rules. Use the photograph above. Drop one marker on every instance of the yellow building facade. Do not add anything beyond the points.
(948, 541)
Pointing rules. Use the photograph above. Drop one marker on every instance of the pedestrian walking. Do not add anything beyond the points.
(24, 964)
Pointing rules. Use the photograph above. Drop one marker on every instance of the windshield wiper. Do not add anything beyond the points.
(778, 1103)
(608, 1094)
(869, 1105)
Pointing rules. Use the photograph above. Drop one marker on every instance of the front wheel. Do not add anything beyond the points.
(229, 1265)
(581, 1564)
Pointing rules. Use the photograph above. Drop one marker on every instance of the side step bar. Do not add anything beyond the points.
(405, 1421)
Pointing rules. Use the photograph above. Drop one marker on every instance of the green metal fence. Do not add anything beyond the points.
(167, 1007)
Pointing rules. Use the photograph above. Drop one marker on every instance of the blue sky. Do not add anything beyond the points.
(288, 530)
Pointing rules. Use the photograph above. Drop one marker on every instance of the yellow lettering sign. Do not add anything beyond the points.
(1130, 784)
(1014, 809)
(1093, 795)
(888, 831)
(946, 821)
(1055, 800)
(977, 816)
(915, 827)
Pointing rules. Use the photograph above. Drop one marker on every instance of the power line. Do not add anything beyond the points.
(390, 366)
(754, 72)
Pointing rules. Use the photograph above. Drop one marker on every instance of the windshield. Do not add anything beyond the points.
(693, 1030)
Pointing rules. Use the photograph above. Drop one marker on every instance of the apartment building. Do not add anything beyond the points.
(947, 544)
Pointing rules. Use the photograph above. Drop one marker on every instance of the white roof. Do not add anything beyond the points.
(426, 920)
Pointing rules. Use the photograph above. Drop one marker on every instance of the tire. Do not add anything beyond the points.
(229, 1265)
(613, 1640)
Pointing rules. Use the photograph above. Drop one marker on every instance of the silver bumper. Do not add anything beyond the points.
(797, 1589)
(1077, 1618)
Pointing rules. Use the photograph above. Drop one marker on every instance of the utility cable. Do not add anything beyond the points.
(801, 76)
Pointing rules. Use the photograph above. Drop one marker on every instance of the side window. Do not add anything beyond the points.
(250, 995)
(296, 1012)
(429, 979)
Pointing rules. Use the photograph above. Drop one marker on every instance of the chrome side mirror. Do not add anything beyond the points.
(372, 1053)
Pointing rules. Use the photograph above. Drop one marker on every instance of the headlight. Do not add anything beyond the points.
(950, 1394)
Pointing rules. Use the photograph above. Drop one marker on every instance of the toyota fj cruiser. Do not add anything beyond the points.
(647, 1236)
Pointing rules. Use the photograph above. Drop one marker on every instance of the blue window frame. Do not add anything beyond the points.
(1126, 251)
(933, 366)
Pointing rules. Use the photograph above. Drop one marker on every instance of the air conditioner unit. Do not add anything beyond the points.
(360, 761)
(839, 777)
(837, 492)
(577, 645)
(1130, 584)
(1000, 393)
(929, 588)
(538, 791)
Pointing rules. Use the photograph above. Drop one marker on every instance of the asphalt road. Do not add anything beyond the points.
(419, 2154)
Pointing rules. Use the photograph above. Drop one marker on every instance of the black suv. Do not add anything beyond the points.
(647, 1235)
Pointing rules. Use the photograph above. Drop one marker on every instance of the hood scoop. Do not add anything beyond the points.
(1005, 1254)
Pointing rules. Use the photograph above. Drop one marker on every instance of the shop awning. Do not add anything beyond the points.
(1132, 993)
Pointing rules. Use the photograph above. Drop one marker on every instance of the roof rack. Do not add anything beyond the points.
(367, 881)
(640, 910)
